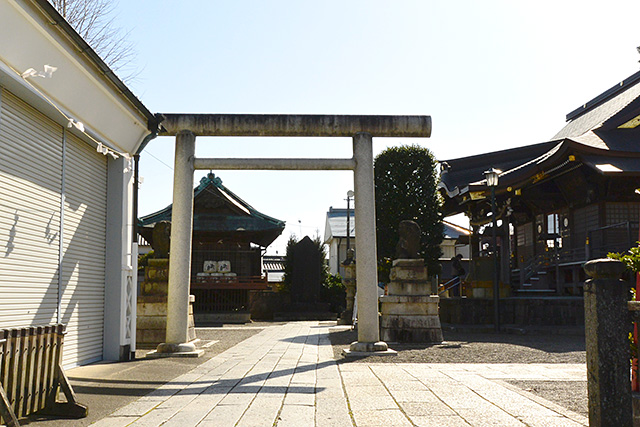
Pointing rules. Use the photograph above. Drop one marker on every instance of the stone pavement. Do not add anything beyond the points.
(286, 376)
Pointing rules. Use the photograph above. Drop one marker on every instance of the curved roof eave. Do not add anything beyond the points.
(508, 160)
(211, 180)
(553, 160)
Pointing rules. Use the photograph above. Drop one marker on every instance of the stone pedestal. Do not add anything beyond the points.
(607, 325)
(409, 313)
(349, 281)
(151, 324)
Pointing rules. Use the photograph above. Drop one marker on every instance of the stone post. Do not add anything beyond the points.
(607, 324)
(177, 338)
(366, 259)
(349, 281)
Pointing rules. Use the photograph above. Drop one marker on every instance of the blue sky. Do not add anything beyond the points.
(491, 74)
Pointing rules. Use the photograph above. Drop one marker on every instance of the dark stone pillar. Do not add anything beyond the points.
(607, 324)
(305, 275)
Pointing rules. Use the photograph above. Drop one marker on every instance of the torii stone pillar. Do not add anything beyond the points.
(366, 259)
(177, 337)
(360, 128)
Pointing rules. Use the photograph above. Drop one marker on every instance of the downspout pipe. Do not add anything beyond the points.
(153, 126)
(136, 177)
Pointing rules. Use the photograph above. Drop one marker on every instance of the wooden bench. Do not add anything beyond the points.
(31, 375)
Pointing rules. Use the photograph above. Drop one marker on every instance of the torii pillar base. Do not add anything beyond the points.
(365, 349)
(175, 350)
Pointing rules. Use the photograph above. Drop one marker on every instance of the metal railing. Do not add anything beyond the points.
(611, 238)
(451, 284)
(220, 300)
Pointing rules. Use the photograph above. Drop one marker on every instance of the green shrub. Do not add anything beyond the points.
(334, 293)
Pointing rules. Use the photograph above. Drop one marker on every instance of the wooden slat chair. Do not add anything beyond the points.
(31, 375)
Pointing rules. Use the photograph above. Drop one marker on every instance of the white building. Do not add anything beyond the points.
(455, 241)
(335, 236)
(66, 193)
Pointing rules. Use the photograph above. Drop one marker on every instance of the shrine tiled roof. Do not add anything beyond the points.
(218, 210)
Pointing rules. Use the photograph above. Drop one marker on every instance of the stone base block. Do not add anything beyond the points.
(149, 338)
(422, 299)
(410, 322)
(152, 306)
(154, 288)
(410, 312)
(151, 321)
(411, 270)
(409, 305)
(409, 288)
(426, 335)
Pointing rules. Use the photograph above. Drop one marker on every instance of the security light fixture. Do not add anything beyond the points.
(492, 177)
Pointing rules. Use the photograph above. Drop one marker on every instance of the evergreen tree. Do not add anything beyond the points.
(289, 261)
(406, 189)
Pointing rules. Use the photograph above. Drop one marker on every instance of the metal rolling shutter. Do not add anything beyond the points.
(84, 251)
(30, 188)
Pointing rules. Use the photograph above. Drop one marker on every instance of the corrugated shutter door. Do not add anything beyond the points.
(30, 184)
(84, 252)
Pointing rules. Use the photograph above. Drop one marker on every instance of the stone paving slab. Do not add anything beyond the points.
(286, 376)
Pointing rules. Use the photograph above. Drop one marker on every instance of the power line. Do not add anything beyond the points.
(147, 152)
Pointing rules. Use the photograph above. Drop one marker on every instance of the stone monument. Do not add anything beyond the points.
(151, 322)
(349, 282)
(306, 280)
(306, 274)
(409, 312)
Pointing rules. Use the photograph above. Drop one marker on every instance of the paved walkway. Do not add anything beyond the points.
(286, 376)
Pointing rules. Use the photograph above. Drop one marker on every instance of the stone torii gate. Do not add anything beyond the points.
(185, 127)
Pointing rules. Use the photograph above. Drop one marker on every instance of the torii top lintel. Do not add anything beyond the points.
(296, 125)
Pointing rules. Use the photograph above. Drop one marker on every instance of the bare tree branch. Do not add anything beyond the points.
(94, 21)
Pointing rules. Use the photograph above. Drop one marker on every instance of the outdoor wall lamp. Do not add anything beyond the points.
(492, 177)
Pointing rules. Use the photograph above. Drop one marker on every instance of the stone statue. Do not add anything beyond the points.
(409, 243)
(350, 258)
(161, 239)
